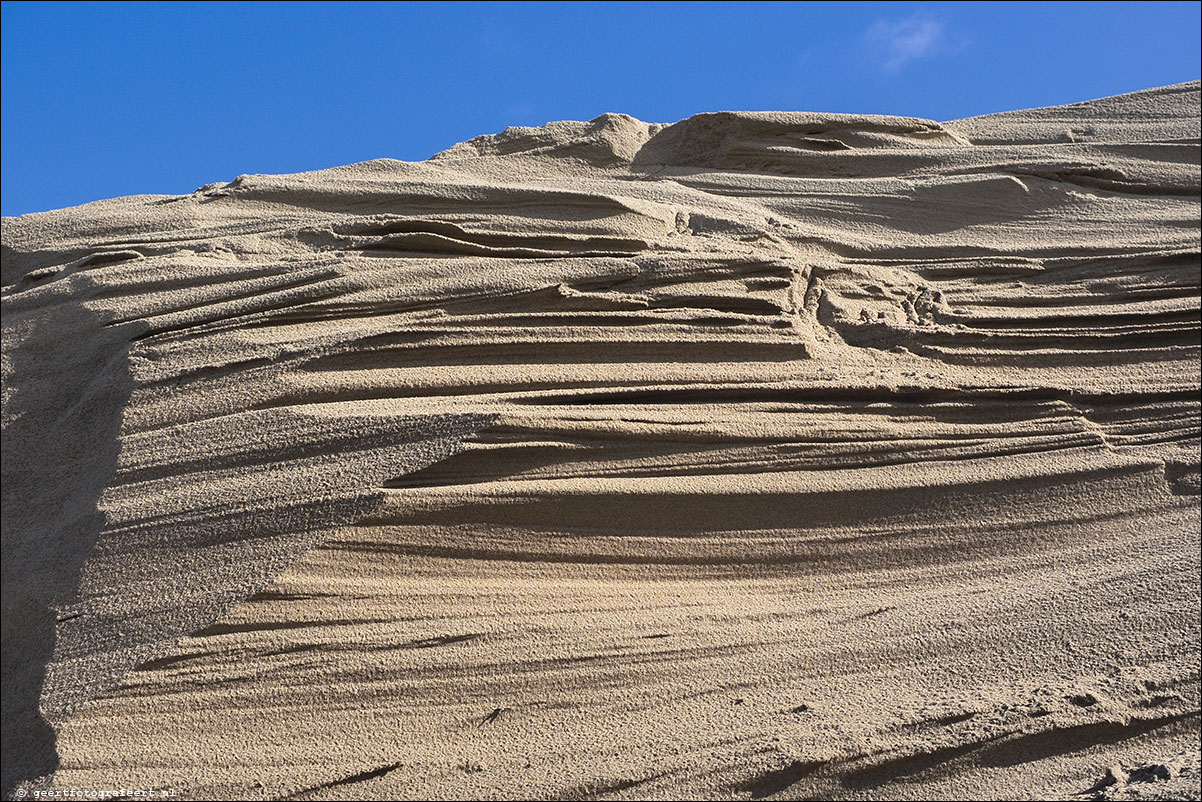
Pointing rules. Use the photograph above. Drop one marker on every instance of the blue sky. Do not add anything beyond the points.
(108, 99)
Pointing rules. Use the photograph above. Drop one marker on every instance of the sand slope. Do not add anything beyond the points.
(761, 455)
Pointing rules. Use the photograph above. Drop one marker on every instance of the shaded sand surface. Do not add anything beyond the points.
(761, 455)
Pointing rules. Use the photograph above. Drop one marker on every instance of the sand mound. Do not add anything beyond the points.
(757, 455)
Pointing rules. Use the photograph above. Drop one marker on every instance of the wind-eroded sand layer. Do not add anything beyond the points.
(759, 455)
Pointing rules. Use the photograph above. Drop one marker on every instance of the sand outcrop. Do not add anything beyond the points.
(756, 455)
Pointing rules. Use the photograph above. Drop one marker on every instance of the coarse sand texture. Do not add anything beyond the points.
(759, 455)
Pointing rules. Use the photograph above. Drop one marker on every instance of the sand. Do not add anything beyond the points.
(760, 455)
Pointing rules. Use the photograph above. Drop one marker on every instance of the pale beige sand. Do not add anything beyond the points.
(759, 455)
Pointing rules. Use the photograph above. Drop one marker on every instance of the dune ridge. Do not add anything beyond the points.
(786, 455)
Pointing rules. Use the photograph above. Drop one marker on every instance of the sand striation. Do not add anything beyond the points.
(760, 455)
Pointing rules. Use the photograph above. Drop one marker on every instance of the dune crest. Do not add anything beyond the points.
(760, 454)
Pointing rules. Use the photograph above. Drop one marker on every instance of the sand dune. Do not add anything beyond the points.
(760, 455)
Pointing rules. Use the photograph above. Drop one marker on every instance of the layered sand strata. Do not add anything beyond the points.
(758, 455)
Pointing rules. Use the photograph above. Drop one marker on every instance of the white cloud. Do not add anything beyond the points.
(898, 43)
